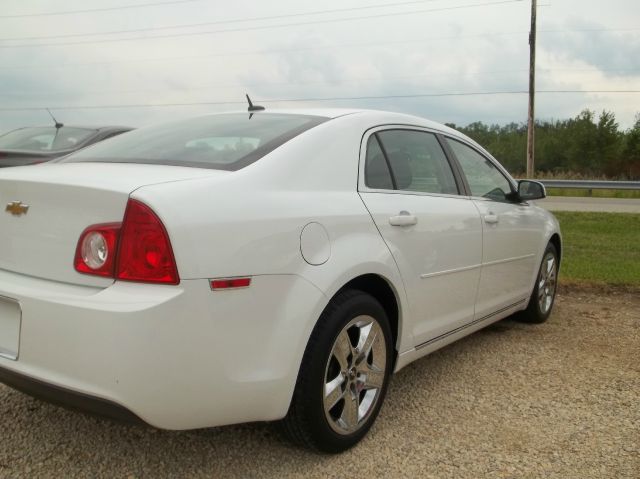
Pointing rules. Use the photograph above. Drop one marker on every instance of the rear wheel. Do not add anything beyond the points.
(344, 375)
(544, 292)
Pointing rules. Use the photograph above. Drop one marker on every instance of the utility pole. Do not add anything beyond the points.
(532, 93)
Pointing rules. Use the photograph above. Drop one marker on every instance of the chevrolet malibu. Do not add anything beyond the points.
(258, 267)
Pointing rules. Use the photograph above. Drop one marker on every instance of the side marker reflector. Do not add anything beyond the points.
(230, 283)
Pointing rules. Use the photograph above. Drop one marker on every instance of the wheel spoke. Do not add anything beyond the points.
(541, 293)
(342, 350)
(550, 266)
(350, 411)
(373, 378)
(367, 337)
(333, 392)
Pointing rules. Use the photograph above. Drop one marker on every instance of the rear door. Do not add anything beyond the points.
(433, 233)
(511, 233)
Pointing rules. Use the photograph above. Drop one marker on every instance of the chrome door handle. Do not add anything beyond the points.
(403, 219)
(491, 219)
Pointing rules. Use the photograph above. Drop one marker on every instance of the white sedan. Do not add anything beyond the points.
(279, 265)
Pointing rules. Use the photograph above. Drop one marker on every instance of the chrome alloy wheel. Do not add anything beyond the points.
(354, 375)
(547, 280)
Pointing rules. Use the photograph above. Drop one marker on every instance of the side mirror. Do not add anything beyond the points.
(531, 190)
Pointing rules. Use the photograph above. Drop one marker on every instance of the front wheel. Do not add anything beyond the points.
(544, 291)
(344, 375)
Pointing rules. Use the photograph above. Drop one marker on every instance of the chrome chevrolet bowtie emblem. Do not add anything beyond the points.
(16, 208)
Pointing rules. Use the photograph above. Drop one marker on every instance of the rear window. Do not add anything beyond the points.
(225, 142)
(45, 138)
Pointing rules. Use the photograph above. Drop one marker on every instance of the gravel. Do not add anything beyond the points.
(514, 401)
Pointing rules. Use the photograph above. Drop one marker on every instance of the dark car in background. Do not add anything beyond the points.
(31, 145)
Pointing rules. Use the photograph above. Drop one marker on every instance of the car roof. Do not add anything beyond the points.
(376, 116)
(380, 117)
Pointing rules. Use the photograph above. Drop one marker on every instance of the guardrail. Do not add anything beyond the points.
(592, 184)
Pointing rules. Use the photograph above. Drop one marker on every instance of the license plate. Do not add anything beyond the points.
(10, 317)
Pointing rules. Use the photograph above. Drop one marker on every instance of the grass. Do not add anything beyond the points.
(600, 248)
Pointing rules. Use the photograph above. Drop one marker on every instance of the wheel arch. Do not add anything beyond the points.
(557, 242)
(384, 292)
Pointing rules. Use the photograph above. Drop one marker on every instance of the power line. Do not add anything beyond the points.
(262, 84)
(302, 49)
(258, 52)
(91, 10)
(222, 22)
(563, 30)
(265, 27)
(317, 99)
(194, 25)
(274, 84)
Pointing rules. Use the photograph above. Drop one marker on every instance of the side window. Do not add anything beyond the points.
(418, 162)
(376, 171)
(484, 178)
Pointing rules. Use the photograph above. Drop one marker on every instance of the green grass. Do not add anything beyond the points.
(593, 193)
(600, 248)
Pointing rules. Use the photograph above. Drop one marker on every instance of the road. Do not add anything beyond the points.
(556, 400)
(607, 205)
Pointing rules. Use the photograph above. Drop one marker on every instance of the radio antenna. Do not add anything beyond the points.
(253, 107)
(58, 124)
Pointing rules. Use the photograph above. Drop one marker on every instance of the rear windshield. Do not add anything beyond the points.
(225, 142)
(44, 138)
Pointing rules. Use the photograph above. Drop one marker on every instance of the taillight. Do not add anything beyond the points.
(144, 250)
(96, 251)
(138, 249)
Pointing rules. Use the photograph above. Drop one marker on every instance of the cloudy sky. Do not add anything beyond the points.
(136, 62)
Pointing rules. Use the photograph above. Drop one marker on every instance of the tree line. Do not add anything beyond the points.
(587, 145)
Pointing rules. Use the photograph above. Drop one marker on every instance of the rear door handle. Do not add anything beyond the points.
(403, 219)
(491, 218)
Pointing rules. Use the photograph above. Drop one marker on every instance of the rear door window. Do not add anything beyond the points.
(376, 170)
(418, 162)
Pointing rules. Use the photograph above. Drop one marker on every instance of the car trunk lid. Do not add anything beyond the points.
(45, 208)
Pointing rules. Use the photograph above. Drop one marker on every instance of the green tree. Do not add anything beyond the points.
(584, 145)
(608, 144)
(629, 162)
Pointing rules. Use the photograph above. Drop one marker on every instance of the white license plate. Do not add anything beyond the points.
(10, 317)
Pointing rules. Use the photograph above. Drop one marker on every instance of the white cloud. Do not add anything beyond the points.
(465, 50)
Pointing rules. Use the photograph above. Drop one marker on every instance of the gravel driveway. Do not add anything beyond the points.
(554, 400)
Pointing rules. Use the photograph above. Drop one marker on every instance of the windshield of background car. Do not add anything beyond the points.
(225, 142)
(44, 138)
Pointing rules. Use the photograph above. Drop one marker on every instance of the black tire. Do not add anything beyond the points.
(308, 423)
(536, 311)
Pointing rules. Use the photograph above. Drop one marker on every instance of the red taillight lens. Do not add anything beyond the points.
(144, 250)
(96, 250)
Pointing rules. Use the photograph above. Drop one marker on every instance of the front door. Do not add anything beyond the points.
(511, 233)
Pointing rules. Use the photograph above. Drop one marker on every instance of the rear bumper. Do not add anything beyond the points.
(175, 357)
(67, 398)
